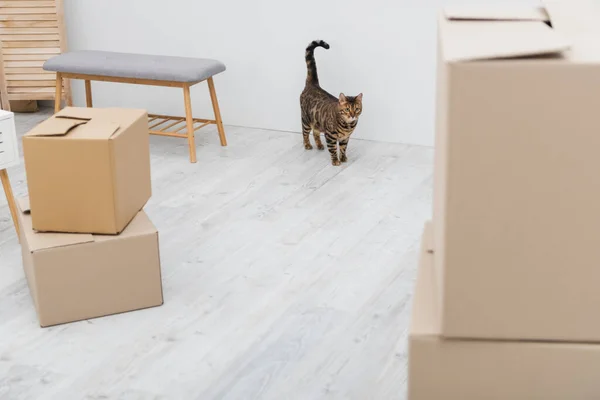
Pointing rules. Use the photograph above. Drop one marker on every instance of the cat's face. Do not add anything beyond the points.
(350, 107)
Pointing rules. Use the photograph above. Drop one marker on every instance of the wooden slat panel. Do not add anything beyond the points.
(30, 77)
(29, 31)
(28, 24)
(30, 3)
(24, 64)
(29, 83)
(36, 44)
(28, 10)
(31, 96)
(31, 50)
(16, 38)
(28, 57)
(24, 70)
(28, 17)
(31, 89)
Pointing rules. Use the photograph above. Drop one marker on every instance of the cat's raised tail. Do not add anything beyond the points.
(312, 78)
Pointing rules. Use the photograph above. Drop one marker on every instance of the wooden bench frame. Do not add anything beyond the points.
(155, 121)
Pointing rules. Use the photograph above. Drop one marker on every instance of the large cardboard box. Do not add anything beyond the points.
(88, 170)
(451, 369)
(80, 276)
(517, 193)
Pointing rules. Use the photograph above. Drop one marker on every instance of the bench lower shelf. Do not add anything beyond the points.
(166, 125)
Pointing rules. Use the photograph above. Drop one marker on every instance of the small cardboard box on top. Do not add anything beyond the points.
(88, 170)
(454, 369)
(81, 276)
(516, 192)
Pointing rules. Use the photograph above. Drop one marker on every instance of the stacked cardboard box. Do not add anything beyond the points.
(508, 287)
(89, 250)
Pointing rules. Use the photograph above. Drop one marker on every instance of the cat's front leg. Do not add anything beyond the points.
(343, 147)
(332, 147)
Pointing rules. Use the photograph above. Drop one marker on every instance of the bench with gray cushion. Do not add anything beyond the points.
(145, 69)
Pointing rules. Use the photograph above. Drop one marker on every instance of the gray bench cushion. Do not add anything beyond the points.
(137, 66)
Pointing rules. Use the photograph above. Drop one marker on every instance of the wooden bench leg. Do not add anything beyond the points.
(215, 103)
(58, 94)
(88, 93)
(68, 96)
(10, 198)
(190, 122)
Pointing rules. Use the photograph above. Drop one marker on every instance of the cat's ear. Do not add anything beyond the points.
(359, 97)
(343, 98)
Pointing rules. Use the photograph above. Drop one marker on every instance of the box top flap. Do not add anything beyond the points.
(499, 13)
(487, 34)
(75, 123)
(56, 127)
(43, 241)
(425, 320)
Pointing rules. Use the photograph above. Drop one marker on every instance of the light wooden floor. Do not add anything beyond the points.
(284, 278)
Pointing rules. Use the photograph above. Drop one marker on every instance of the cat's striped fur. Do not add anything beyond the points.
(335, 117)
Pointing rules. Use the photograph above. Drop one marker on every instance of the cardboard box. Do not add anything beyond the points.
(74, 277)
(451, 369)
(517, 193)
(88, 170)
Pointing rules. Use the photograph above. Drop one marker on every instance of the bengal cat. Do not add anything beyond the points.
(335, 117)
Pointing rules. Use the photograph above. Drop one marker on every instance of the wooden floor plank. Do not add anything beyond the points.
(284, 278)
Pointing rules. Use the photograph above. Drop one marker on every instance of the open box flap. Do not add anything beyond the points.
(65, 122)
(56, 127)
(42, 241)
(498, 13)
(499, 33)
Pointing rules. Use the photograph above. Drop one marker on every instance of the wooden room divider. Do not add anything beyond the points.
(32, 31)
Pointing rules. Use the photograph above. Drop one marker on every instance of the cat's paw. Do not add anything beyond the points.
(335, 163)
(308, 146)
(344, 158)
(320, 147)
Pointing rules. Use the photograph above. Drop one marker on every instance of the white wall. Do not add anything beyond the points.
(384, 48)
